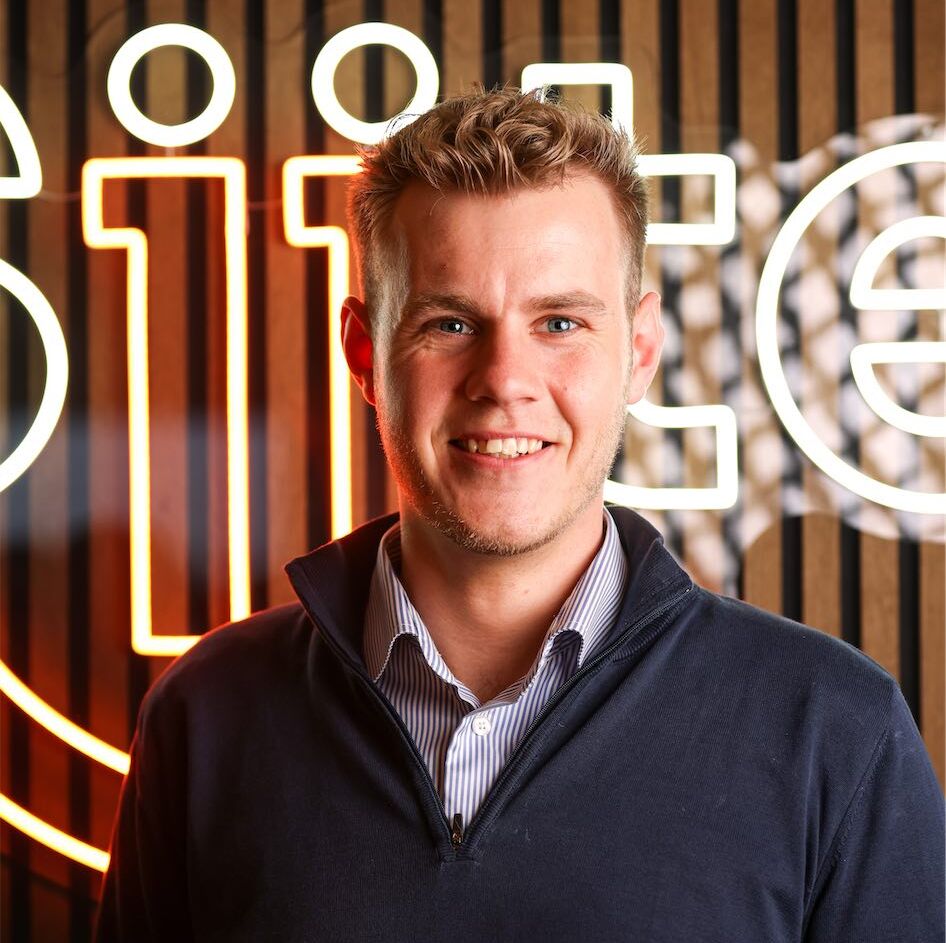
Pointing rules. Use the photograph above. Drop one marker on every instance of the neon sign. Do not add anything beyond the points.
(231, 171)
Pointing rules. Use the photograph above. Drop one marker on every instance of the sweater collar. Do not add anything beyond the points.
(333, 582)
(588, 612)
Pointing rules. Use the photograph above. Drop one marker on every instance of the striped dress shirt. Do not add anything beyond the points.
(465, 743)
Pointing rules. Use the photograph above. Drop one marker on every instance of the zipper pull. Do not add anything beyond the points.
(457, 835)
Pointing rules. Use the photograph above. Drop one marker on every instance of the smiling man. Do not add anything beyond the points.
(505, 712)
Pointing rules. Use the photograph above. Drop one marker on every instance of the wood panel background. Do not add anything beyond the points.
(789, 88)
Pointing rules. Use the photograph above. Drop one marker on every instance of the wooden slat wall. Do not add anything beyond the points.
(774, 83)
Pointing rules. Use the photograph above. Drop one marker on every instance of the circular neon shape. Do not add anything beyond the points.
(57, 373)
(156, 37)
(767, 317)
(367, 34)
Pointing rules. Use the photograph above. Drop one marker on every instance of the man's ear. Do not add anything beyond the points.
(647, 340)
(356, 342)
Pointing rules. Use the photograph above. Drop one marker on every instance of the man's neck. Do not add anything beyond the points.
(488, 615)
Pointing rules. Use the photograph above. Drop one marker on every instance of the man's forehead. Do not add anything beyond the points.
(544, 228)
(421, 203)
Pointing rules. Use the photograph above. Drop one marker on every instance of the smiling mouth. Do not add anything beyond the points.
(500, 448)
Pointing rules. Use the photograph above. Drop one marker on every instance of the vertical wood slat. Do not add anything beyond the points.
(821, 548)
(349, 77)
(929, 26)
(285, 294)
(49, 502)
(168, 340)
(227, 23)
(580, 43)
(933, 654)
(640, 49)
(880, 586)
(521, 38)
(699, 299)
(758, 84)
(109, 589)
(257, 339)
(399, 78)
(79, 602)
(462, 42)
(929, 76)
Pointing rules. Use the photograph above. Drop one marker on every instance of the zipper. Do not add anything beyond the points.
(456, 835)
(454, 830)
(476, 825)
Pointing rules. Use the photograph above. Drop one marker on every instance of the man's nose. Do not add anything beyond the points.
(504, 366)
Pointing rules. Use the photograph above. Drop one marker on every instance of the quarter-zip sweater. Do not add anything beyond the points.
(465, 744)
(712, 773)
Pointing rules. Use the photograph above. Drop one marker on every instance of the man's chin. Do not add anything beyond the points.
(488, 534)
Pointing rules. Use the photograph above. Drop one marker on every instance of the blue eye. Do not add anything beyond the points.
(455, 328)
(559, 322)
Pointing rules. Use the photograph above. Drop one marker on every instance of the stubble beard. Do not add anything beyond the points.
(415, 488)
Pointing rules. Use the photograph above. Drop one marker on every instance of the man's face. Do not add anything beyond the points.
(515, 326)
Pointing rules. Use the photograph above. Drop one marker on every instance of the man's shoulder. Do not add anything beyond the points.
(761, 631)
(793, 667)
(234, 658)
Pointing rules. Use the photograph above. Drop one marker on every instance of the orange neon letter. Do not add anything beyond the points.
(233, 172)
(335, 239)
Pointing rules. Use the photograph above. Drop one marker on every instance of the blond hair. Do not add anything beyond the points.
(488, 142)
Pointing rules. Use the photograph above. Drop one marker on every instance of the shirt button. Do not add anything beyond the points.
(481, 725)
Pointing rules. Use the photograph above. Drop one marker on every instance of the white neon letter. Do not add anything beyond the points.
(617, 76)
(863, 293)
(724, 495)
(57, 373)
(154, 37)
(863, 358)
(367, 34)
(723, 171)
(767, 309)
(29, 180)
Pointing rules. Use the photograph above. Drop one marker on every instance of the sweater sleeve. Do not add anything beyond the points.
(144, 891)
(883, 878)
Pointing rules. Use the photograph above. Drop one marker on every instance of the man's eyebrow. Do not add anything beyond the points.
(433, 301)
(464, 304)
(569, 301)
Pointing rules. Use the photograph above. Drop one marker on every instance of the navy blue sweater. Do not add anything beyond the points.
(713, 773)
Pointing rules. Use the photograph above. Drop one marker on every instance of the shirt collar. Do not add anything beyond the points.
(589, 611)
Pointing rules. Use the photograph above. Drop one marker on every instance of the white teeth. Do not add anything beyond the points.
(505, 448)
